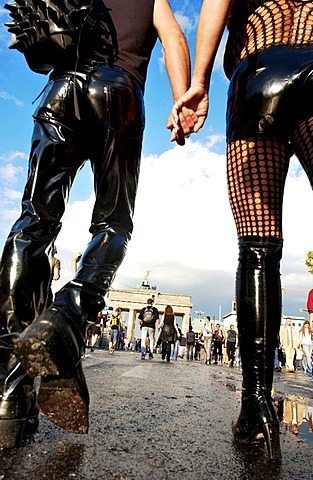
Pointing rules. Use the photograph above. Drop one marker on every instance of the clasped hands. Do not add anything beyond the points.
(188, 113)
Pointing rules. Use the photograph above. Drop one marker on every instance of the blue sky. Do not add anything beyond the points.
(182, 190)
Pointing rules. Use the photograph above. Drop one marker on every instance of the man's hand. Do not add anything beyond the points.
(178, 133)
(190, 111)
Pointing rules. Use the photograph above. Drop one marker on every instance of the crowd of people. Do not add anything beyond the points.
(211, 344)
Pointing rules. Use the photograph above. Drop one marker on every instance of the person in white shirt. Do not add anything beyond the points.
(305, 336)
(207, 334)
(289, 340)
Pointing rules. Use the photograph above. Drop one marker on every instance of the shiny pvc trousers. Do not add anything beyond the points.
(107, 130)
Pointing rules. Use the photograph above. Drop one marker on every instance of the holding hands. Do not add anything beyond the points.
(189, 112)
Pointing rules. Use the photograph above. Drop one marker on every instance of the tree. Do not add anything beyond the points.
(309, 261)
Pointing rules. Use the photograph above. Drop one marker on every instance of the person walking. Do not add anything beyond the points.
(207, 335)
(116, 327)
(91, 109)
(190, 343)
(149, 322)
(169, 332)
(231, 342)
(268, 59)
(290, 341)
(218, 340)
(305, 337)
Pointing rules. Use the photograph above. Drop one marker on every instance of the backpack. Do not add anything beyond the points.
(114, 321)
(148, 315)
(190, 336)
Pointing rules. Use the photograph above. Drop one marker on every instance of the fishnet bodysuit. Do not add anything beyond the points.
(257, 166)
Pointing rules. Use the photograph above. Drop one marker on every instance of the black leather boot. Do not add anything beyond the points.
(258, 303)
(18, 406)
(52, 347)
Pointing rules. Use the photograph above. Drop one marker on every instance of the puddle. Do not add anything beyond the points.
(296, 417)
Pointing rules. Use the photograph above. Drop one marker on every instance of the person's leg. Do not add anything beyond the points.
(144, 331)
(206, 349)
(168, 351)
(25, 265)
(308, 360)
(188, 351)
(290, 355)
(220, 352)
(257, 169)
(151, 342)
(112, 126)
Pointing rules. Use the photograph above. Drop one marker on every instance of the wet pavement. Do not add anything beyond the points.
(151, 420)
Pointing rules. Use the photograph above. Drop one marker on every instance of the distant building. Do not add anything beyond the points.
(231, 319)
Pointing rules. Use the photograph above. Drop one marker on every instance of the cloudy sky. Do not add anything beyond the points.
(184, 233)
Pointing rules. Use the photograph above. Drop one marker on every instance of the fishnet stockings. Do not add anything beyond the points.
(266, 24)
(256, 173)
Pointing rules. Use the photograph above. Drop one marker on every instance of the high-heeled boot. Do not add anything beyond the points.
(18, 403)
(52, 347)
(258, 304)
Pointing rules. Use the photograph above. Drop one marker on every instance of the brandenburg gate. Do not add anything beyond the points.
(132, 301)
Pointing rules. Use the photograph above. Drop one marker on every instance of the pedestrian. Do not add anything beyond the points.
(182, 346)
(231, 341)
(218, 340)
(290, 341)
(175, 347)
(190, 343)
(116, 328)
(93, 333)
(55, 274)
(149, 322)
(269, 61)
(91, 109)
(207, 334)
(305, 336)
(169, 332)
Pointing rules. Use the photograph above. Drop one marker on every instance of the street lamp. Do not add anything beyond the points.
(199, 313)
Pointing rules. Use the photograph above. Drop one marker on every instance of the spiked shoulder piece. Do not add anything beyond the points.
(47, 31)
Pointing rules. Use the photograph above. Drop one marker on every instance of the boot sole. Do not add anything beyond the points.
(44, 350)
(60, 401)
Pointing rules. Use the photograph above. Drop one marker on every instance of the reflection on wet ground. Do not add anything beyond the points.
(296, 417)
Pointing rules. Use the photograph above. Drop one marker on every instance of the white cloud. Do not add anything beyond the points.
(11, 156)
(9, 173)
(8, 96)
(187, 23)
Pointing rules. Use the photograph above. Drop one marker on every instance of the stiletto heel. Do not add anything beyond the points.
(256, 419)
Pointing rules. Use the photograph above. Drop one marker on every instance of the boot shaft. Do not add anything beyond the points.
(258, 301)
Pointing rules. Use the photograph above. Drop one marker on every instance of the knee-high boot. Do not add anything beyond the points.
(258, 302)
(52, 347)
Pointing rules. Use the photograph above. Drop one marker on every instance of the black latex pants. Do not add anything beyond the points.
(107, 131)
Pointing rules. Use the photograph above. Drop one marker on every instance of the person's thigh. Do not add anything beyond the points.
(117, 109)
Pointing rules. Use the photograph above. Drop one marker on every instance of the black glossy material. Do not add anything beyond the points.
(258, 303)
(109, 134)
(107, 129)
(271, 92)
(52, 347)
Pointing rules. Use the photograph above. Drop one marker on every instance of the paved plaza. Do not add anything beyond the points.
(150, 420)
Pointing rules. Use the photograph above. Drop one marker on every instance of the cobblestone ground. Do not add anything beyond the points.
(151, 420)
